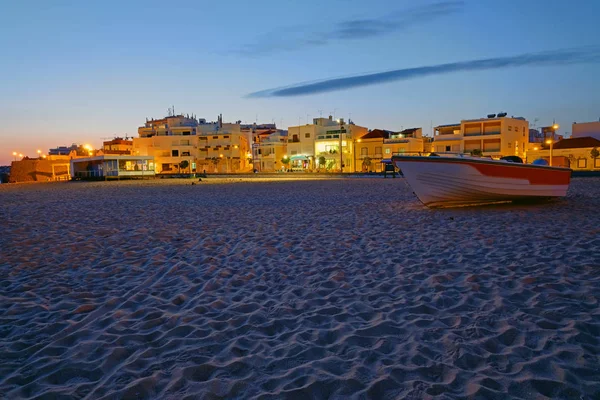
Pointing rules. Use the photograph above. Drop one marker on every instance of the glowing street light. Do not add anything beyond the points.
(15, 155)
(20, 155)
(39, 153)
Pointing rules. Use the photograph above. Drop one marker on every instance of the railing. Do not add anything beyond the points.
(481, 133)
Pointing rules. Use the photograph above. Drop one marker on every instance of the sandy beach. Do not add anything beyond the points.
(271, 288)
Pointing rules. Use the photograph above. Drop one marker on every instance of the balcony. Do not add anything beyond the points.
(482, 133)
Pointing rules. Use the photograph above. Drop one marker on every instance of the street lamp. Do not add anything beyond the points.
(39, 153)
(354, 152)
(550, 142)
(15, 155)
(341, 152)
(20, 155)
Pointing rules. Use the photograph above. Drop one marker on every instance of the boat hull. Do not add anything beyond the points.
(452, 182)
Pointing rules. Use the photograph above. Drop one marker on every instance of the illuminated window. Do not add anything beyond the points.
(378, 151)
(364, 151)
(174, 153)
(387, 151)
(307, 135)
(582, 163)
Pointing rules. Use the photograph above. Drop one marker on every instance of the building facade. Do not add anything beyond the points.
(269, 150)
(575, 153)
(494, 136)
(177, 141)
(586, 129)
(324, 145)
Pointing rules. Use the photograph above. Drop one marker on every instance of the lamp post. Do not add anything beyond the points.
(555, 127)
(354, 152)
(15, 155)
(550, 142)
(341, 152)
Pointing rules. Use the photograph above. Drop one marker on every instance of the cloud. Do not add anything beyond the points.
(293, 38)
(550, 58)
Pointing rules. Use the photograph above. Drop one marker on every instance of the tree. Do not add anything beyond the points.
(476, 153)
(285, 161)
(183, 165)
(594, 153)
(322, 161)
(366, 163)
(215, 161)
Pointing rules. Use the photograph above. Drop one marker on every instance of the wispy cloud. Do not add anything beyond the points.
(308, 36)
(550, 58)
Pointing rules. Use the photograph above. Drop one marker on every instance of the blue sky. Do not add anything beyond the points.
(75, 71)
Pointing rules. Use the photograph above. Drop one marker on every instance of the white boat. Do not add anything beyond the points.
(453, 181)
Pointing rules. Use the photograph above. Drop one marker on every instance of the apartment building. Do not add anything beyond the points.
(379, 145)
(326, 144)
(206, 146)
(495, 136)
(269, 149)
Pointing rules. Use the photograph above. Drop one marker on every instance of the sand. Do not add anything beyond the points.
(330, 288)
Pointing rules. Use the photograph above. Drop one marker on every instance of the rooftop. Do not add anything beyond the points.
(577, 143)
(377, 134)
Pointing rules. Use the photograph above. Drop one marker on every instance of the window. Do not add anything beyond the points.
(597, 163)
(307, 135)
(364, 151)
(582, 163)
(225, 137)
(295, 138)
(447, 148)
(387, 151)
(509, 128)
(174, 153)
(294, 152)
(378, 151)
(215, 137)
(509, 145)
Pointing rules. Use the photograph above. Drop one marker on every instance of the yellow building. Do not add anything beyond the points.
(575, 153)
(408, 141)
(379, 145)
(495, 136)
(117, 146)
(323, 145)
(206, 146)
(269, 150)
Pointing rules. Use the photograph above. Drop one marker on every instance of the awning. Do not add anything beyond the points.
(299, 158)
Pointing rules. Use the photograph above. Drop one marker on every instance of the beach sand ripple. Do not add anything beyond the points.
(332, 288)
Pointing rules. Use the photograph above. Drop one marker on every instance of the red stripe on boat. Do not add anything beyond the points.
(535, 176)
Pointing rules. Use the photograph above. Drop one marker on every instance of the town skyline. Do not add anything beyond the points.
(79, 74)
